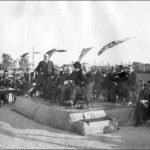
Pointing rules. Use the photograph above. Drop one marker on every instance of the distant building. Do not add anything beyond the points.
(141, 68)
(142, 71)
(101, 67)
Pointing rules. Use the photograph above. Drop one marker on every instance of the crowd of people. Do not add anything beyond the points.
(18, 81)
(80, 82)
(70, 83)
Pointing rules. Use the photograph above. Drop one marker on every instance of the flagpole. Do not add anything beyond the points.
(29, 78)
(143, 67)
(33, 57)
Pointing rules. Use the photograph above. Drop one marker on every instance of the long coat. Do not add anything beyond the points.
(47, 69)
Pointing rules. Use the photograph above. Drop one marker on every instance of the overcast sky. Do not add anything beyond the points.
(75, 25)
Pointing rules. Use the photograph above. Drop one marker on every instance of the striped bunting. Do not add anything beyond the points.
(84, 51)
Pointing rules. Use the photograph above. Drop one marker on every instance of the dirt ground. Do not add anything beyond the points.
(19, 132)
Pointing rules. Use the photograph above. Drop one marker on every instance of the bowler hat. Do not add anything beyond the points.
(5, 70)
(77, 65)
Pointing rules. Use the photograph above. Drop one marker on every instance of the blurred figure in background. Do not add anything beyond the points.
(4, 83)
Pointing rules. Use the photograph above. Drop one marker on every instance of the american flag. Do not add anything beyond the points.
(84, 51)
(112, 44)
(24, 55)
(27, 53)
(36, 52)
(50, 52)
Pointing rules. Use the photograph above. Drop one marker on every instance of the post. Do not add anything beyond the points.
(29, 78)
(143, 67)
(33, 57)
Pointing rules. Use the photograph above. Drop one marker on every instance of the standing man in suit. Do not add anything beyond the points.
(45, 70)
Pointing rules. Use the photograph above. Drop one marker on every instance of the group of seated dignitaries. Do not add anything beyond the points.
(80, 78)
(62, 86)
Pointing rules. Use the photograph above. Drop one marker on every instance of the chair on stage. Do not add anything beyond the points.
(81, 99)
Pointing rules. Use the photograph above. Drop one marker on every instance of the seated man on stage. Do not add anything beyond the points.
(63, 70)
(45, 71)
(56, 84)
(65, 84)
(89, 82)
(78, 83)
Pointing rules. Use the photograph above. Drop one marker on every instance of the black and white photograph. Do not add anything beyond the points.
(74, 74)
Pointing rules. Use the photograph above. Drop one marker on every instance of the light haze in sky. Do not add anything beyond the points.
(74, 25)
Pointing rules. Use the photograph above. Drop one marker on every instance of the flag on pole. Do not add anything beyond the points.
(84, 52)
(24, 55)
(52, 51)
(112, 44)
(36, 52)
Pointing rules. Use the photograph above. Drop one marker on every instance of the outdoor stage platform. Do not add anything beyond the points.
(62, 118)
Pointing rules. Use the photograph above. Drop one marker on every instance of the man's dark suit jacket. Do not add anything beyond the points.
(78, 77)
(46, 68)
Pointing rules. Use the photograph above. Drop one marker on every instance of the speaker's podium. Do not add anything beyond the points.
(11, 93)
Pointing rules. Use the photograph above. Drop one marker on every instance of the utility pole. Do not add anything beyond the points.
(33, 57)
